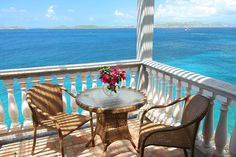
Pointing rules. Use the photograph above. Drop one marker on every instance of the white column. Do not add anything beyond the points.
(145, 29)
(25, 106)
(74, 106)
(60, 79)
(94, 79)
(132, 77)
(222, 128)
(208, 126)
(12, 107)
(232, 143)
(3, 127)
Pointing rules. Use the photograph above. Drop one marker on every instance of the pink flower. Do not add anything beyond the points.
(105, 78)
(214, 155)
(112, 76)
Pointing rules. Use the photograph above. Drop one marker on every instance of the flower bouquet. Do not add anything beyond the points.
(112, 77)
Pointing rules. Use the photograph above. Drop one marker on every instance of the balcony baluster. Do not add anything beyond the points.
(84, 87)
(222, 128)
(12, 107)
(232, 143)
(208, 126)
(178, 107)
(149, 89)
(60, 79)
(156, 89)
(133, 72)
(74, 106)
(25, 107)
(3, 127)
(169, 110)
(94, 79)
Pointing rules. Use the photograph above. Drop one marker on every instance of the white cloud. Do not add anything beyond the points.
(118, 13)
(51, 14)
(12, 10)
(184, 9)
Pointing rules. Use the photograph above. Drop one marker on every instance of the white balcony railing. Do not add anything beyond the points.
(163, 84)
(179, 82)
(24, 77)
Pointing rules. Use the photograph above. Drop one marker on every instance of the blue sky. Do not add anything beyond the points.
(46, 13)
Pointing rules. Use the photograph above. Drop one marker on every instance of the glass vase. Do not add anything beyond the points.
(107, 90)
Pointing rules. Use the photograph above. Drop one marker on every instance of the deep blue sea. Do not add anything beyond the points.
(208, 51)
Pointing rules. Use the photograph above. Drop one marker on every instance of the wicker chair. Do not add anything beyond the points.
(182, 136)
(45, 102)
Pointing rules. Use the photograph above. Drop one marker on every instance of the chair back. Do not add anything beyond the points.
(46, 97)
(195, 109)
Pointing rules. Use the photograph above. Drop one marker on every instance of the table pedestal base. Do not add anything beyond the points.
(112, 127)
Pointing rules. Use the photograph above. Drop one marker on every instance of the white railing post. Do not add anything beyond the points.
(74, 106)
(222, 128)
(25, 107)
(35, 80)
(123, 82)
(149, 89)
(208, 126)
(232, 143)
(60, 79)
(187, 88)
(132, 77)
(178, 107)
(84, 87)
(156, 90)
(94, 79)
(12, 106)
(48, 79)
(3, 127)
(162, 95)
(169, 110)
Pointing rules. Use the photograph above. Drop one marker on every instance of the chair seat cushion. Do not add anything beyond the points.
(67, 122)
(175, 138)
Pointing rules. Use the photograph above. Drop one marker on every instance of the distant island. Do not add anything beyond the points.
(156, 25)
(192, 25)
(87, 27)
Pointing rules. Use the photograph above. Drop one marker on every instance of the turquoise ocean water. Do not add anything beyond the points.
(208, 51)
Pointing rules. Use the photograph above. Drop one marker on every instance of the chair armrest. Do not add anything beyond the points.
(174, 128)
(71, 94)
(162, 106)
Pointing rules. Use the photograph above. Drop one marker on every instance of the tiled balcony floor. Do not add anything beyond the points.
(74, 146)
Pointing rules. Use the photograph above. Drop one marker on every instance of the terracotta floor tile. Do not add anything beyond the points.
(74, 145)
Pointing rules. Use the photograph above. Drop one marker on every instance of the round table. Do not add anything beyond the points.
(111, 112)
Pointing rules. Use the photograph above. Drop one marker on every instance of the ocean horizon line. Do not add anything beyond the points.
(42, 28)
